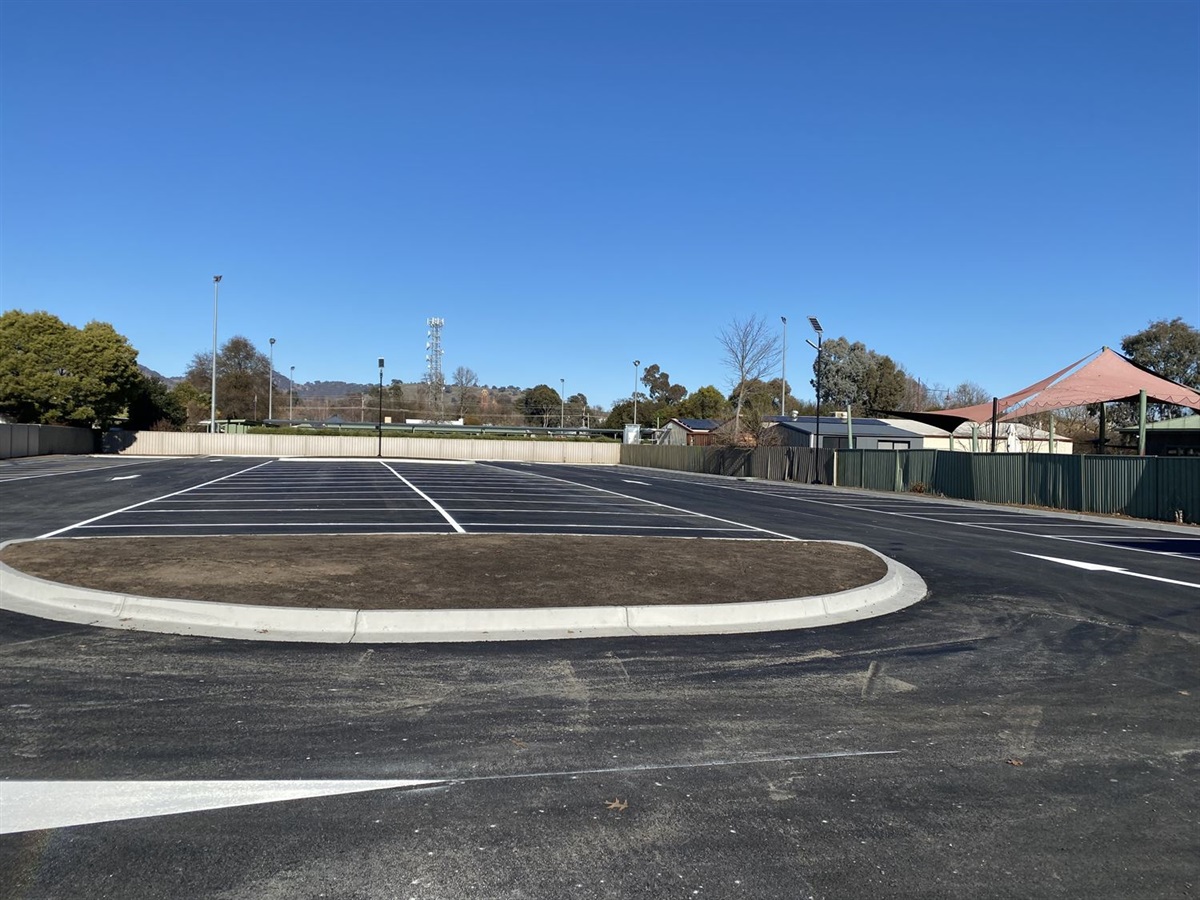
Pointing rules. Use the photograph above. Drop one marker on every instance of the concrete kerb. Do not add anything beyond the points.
(21, 593)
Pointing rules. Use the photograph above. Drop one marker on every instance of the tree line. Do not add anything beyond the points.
(54, 373)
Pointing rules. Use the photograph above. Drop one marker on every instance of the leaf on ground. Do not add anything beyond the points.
(618, 804)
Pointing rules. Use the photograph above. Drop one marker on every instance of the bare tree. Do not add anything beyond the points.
(750, 352)
(465, 380)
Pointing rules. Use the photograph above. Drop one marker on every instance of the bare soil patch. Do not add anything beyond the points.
(449, 571)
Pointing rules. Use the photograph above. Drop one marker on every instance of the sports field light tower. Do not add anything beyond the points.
(783, 371)
(636, 363)
(271, 385)
(212, 405)
(816, 326)
(380, 425)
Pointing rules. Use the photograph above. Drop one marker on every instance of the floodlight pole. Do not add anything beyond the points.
(291, 393)
(212, 404)
(271, 385)
(816, 326)
(783, 371)
(636, 363)
(562, 404)
(380, 453)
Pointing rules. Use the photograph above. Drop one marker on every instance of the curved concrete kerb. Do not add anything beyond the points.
(22, 593)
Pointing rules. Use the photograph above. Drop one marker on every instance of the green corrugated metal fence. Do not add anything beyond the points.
(1141, 487)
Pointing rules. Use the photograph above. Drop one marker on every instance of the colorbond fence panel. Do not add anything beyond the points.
(1121, 484)
(880, 470)
(917, 467)
(1054, 480)
(954, 475)
(999, 477)
(850, 468)
(41, 440)
(1178, 488)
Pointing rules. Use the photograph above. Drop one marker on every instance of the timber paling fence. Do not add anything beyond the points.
(1144, 487)
(42, 440)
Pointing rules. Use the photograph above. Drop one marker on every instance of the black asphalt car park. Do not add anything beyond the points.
(1027, 730)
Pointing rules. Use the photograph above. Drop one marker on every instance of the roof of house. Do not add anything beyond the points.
(1024, 431)
(837, 427)
(1182, 423)
(697, 424)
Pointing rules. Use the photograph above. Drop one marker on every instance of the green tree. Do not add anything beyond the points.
(621, 414)
(1170, 349)
(52, 372)
(540, 404)
(852, 374)
(659, 387)
(153, 405)
(193, 401)
(704, 403)
(243, 378)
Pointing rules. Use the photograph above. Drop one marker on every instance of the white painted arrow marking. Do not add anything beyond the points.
(1096, 567)
(35, 805)
(123, 477)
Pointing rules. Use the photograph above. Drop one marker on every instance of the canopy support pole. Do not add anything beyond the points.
(1142, 422)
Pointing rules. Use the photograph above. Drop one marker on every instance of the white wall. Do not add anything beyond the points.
(166, 443)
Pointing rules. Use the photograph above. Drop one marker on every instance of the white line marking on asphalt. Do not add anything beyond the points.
(88, 522)
(631, 481)
(75, 471)
(37, 805)
(781, 495)
(123, 477)
(690, 512)
(445, 515)
(1097, 567)
(40, 805)
(658, 767)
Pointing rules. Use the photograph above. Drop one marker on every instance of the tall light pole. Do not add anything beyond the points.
(783, 371)
(271, 385)
(812, 320)
(636, 363)
(380, 453)
(291, 392)
(212, 406)
(562, 404)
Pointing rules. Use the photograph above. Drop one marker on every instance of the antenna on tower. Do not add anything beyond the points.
(435, 381)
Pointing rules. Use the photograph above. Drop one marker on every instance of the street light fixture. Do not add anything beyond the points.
(212, 405)
(636, 363)
(816, 326)
(271, 385)
(380, 453)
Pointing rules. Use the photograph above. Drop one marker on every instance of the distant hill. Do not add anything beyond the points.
(150, 373)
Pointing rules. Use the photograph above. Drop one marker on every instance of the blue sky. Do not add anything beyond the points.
(983, 191)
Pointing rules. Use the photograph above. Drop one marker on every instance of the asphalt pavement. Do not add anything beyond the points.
(1028, 730)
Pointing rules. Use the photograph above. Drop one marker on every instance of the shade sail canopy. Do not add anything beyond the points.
(1108, 377)
(1104, 377)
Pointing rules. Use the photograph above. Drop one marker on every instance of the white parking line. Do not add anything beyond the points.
(445, 515)
(88, 522)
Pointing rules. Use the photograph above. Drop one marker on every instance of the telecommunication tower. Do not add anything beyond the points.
(435, 382)
(433, 352)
